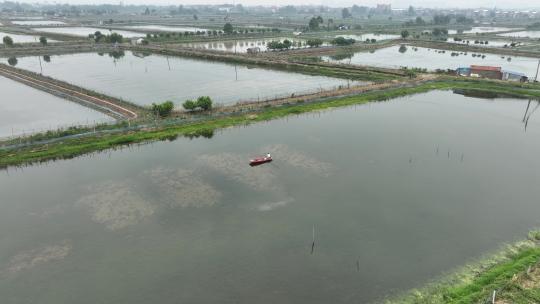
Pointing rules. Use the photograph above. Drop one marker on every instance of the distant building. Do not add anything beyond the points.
(491, 73)
(514, 76)
(486, 72)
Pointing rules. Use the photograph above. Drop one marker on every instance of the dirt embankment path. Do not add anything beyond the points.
(109, 106)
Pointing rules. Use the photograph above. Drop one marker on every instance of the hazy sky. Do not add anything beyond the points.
(395, 3)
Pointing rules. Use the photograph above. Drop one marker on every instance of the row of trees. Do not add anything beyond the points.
(8, 41)
(342, 41)
(204, 103)
(112, 38)
(165, 109)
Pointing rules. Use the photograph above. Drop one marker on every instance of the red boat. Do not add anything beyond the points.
(260, 160)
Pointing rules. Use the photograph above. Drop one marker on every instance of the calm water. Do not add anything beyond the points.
(162, 28)
(523, 34)
(487, 29)
(432, 59)
(18, 38)
(85, 31)
(38, 22)
(189, 222)
(27, 110)
(155, 78)
(363, 37)
(241, 46)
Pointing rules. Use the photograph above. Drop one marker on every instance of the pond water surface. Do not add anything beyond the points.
(395, 193)
(163, 28)
(523, 34)
(20, 38)
(85, 31)
(433, 59)
(25, 110)
(145, 79)
(38, 22)
(364, 37)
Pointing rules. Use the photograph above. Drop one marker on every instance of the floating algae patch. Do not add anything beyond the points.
(270, 206)
(182, 188)
(29, 259)
(116, 205)
(235, 168)
(299, 159)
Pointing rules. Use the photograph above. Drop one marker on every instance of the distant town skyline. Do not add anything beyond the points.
(517, 4)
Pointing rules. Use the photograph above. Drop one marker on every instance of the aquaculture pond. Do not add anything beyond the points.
(144, 78)
(85, 31)
(38, 22)
(371, 36)
(25, 110)
(433, 59)
(165, 28)
(20, 38)
(242, 46)
(486, 29)
(392, 194)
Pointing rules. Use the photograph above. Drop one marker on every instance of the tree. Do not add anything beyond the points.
(315, 22)
(345, 13)
(8, 41)
(163, 109)
(404, 34)
(147, 11)
(287, 44)
(115, 38)
(43, 40)
(12, 61)
(402, 49)
(341, 41)
(314, 42)
(204, 102)
(228, 28)
(189, 105)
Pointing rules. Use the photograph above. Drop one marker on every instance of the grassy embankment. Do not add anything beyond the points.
(74, 147)
(513, 273)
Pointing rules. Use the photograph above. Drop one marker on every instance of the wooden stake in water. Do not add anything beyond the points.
(313, 244)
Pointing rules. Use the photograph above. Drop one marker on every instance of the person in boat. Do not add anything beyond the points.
(268, 155)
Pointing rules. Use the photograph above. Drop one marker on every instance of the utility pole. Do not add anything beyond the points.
(537, 68)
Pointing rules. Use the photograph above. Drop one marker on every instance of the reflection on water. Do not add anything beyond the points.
(242, 46)
(433, 59)
(145, 79)
(399, 192)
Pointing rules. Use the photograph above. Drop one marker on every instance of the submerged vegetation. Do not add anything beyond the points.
(496, 276)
